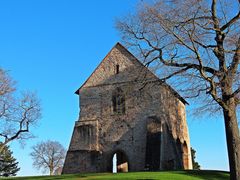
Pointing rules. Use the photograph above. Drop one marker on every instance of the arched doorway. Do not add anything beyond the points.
(119, 162)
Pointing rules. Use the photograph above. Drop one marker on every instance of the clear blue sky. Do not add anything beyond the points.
(52, 46)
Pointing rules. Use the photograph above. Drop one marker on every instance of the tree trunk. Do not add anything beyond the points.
(233, 139)
(51, 170)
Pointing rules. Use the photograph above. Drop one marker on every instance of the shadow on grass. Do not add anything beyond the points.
(207, 174)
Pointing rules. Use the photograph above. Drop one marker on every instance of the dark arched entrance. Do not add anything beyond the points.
(120, 162)
(179, 162)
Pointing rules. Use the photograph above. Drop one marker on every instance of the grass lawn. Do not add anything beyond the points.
(164, 175)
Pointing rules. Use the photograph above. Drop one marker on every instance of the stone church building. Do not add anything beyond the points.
(126, 111)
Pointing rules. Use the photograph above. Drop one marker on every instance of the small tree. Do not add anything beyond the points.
(48, 155)
(8, 164)
(17, 114)
(195, 164)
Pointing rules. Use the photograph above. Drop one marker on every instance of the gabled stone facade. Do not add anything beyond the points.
(126, 110)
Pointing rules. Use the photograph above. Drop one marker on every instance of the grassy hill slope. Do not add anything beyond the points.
(164, 175)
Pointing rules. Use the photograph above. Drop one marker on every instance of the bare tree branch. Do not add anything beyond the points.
(237, 91)
(214, 16)
(16, 114)
(229, 23)
(236, 59)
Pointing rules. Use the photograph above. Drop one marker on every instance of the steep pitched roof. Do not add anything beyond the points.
(118, 45)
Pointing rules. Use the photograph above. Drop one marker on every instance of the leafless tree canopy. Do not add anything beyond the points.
(194, 45)
(197, 39)
(48, 155)
(17, 114)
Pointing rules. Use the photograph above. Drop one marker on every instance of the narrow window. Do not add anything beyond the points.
(114, 102)
(118, 101)
(117, 69)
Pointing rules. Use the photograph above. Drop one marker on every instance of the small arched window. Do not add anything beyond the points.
(118, 101)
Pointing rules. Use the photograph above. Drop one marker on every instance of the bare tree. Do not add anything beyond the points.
(16, 114)
(197, 42)
(48, 155)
